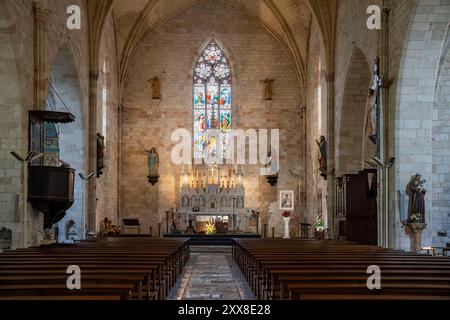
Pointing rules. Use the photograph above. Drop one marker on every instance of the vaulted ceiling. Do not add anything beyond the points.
(289, 22)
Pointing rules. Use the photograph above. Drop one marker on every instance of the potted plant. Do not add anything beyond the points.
(415, 218)
(286, 214)
(320, 224)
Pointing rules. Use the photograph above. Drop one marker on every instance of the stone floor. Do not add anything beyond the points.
(211, 274)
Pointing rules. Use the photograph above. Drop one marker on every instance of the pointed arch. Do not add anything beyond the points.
(71, 138)
(351, 126)
(212, 103)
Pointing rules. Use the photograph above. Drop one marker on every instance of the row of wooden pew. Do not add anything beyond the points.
(338, 270)
(111, 269)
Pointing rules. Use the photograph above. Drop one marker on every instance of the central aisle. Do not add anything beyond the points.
(211, 274)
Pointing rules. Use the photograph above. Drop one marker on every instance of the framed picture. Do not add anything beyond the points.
(287, 200)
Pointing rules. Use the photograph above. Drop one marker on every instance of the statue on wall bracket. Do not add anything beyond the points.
(156, 86)
(153, 163)
(322, 144)
(100, 154)
(156, 89)
(268, 88)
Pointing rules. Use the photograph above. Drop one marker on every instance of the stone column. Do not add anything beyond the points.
(40, 55)
(303, 178)
(415, 232)
(92, 154)
(385, 222)
(331, 190)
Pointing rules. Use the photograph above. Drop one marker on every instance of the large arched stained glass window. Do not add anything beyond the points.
(212, 101)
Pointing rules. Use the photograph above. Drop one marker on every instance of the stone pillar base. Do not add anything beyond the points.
(415, 232)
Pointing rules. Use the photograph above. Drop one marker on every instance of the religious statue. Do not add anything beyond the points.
(100, 154)
(271, 169)
(416, 205)
(323, 156)
(153, 162)
(372, 105)
(156, 88)
(268, 91)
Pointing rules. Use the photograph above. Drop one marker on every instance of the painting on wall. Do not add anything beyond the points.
(286, 200)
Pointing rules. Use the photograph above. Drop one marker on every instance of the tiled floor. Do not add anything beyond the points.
(211, 274)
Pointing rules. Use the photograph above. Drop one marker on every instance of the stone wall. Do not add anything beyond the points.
(171, 53)
(11, 129)
(421, 121)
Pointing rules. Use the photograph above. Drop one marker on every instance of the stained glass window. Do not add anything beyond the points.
(212, 101)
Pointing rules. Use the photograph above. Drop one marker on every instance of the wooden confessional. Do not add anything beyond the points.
(357, 207)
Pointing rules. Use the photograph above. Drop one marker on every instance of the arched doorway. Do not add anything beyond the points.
(64, 95)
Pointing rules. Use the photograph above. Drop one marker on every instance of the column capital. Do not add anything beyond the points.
(329, 77)
(94, 75)
(40, 10)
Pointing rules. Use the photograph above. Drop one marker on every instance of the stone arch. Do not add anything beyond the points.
(439, 219)
(72, 139)
(351, 138)
(420, 117)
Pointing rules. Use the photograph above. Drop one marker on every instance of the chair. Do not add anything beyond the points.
(131, 226)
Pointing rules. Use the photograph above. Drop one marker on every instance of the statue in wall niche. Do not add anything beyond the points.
(100, 154)
(268, 90)
(153, 163)
(416, 205)
(322, 144)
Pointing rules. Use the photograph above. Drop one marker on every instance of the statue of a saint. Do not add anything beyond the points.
(156, 91)
(271, 168)
(268, 91)
(100, 154)
(416, 205)
(153, 161)
(323, 154)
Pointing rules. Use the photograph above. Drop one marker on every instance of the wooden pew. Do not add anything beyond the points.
(111, 268)
(298, 269)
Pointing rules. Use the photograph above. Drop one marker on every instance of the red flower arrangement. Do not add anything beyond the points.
(286, 214)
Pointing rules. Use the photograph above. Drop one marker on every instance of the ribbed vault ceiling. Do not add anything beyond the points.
(289, 21)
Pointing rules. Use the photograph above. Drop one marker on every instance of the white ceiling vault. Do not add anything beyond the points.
(288, 21)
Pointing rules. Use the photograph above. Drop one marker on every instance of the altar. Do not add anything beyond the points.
(213, 194)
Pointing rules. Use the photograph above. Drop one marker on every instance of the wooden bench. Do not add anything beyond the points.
(112, 268)
(299, 269)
